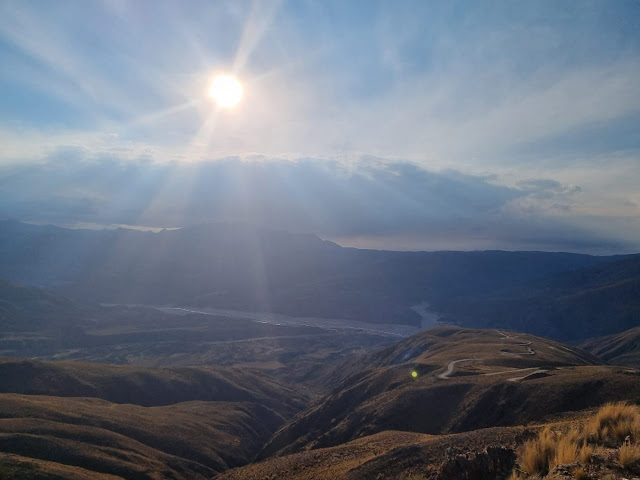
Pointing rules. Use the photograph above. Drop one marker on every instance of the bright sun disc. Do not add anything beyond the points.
(226, 91)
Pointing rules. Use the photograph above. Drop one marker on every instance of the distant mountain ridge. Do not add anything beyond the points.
(240, 267)
(579, 304)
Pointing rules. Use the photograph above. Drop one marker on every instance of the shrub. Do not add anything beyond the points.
(614, 422)
(535, 455)
(567, 448)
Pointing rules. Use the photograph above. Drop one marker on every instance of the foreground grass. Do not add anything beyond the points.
(614, 426)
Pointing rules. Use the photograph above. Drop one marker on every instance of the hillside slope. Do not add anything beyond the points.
(146, 386)
(586, 302)
(386, 455)
(450, 380)
(132, 422)
(620, 349)
(191, 440)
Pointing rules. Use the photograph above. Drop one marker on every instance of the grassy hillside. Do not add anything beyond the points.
(453, 380)
(385, 455)
(65, 419)
(146, 386)
(190, 440)
(592, 444)
(399, 410)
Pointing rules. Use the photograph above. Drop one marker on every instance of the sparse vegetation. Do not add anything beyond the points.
(567, 449)
(536, 454)
(629, 455)
(615, 425)
(585, 453)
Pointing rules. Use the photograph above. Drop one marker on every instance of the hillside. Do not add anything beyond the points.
(146, 386)
(398, 410)
(619, 349)
(451, 380)
(586, 302)
(189, 440)
(134, 422)
(386, 455)
(24, 308)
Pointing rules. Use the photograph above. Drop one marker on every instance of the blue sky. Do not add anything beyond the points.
(463, 124)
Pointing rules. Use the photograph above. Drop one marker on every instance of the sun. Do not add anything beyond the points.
(226, 90)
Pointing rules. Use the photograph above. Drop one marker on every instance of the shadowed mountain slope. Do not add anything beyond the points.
(587, 302)
(24, 308)
(620, 349)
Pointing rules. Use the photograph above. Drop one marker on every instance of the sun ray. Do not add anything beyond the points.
(258, 21)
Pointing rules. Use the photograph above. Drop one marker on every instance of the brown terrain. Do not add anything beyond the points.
(443, 400)
(134, 392)
(465, 380)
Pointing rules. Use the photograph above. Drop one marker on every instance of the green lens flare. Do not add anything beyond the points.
(414, 374)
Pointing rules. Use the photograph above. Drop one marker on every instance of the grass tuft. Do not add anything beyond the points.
(580, 474)
(614, 422)
(536, 454)
(585, 453)
(567, 448)
(629, 455)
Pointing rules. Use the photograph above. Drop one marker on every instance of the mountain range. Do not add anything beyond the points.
(560, 295)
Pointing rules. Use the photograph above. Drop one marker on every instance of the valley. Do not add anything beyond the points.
(212, 389)
(350, 415)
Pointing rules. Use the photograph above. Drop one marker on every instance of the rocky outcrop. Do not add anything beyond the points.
(494, 463)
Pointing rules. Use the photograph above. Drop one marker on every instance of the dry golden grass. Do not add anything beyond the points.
(585, 453)
(629, 455)
(614, 422)
(580, 474)
(567, 448)
(536, 455)
(617, 423)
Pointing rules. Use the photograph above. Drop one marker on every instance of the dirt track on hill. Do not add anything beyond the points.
(530, 351)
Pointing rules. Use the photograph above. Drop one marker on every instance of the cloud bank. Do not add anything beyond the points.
(367, 203)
